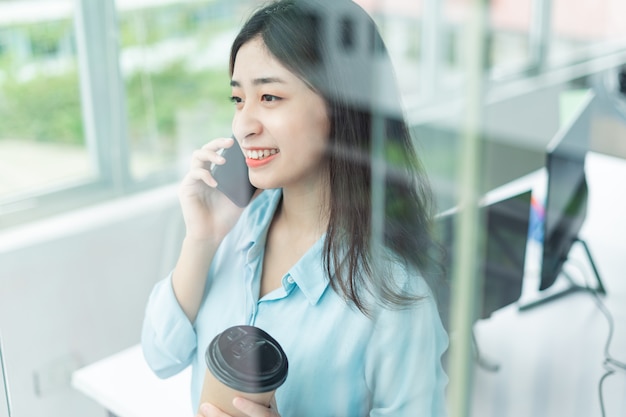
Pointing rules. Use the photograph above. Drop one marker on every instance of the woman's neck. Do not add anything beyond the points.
(304, 213)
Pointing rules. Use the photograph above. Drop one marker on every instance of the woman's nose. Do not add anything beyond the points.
(246, 121)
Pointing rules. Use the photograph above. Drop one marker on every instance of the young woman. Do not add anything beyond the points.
(331, 257)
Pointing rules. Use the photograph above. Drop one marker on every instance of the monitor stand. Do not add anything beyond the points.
(599, 289)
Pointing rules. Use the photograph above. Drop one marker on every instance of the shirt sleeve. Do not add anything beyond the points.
(404, 372)
(168, 338)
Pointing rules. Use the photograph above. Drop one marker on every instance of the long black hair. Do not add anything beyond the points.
(334, 46)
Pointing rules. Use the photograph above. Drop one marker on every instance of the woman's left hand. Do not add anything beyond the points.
(253, 409)
(249, 408)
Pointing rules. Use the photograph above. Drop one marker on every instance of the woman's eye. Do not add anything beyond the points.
(235, 99)
(269, 97)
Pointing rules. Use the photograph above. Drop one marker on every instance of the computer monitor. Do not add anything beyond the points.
(566, 192)
(503, 248)
(565, 204)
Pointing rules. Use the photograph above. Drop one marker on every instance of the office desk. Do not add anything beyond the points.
(550, 357)
(126, 387)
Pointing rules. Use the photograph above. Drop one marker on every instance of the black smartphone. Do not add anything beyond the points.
(232, 177)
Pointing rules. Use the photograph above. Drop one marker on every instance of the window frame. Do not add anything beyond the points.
(104, 116)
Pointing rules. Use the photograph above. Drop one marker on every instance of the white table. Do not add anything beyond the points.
(126, 387)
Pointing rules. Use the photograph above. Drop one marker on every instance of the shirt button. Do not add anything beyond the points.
(290, 279)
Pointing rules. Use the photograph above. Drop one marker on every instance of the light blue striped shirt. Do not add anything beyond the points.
(341, 363)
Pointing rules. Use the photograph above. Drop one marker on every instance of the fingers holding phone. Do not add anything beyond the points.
(206, 211)
(232, 176)
(209, 155)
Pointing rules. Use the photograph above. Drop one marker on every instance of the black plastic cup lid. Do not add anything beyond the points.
(247, 359)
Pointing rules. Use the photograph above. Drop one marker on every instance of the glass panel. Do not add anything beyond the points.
(174, 60)
(42, 145)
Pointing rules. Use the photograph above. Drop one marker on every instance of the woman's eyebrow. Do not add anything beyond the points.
(260, 81)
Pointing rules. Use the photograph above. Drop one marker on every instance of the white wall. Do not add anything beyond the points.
(73, 290)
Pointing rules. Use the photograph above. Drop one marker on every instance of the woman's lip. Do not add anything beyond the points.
(255, 163)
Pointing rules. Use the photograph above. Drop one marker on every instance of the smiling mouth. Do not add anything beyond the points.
(259, 154)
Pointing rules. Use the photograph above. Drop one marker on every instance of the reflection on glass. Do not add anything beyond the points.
(509, 26)
(401, 25)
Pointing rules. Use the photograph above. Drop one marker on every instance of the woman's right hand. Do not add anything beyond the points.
(208, 214)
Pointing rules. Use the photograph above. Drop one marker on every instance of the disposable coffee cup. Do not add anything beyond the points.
(243, 361)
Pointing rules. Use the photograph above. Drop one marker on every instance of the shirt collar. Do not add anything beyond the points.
(308, 273)
(256, 219)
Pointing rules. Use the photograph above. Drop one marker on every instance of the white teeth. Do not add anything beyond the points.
(261, 154)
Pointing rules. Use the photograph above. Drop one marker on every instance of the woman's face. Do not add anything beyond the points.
(280, 123)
